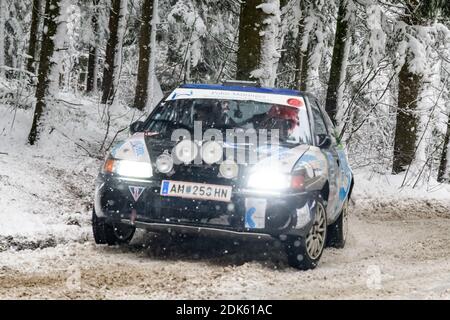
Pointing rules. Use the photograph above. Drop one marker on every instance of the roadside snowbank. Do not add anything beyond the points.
(370, 185)
(381, 197)
(46, 190)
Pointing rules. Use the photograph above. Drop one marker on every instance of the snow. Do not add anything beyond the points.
(270, 8)
(2, 36)
(153, 84)
(267, 70)
(59, 42)
(120, 34)
(387, 187)
(47, 190)
(376, 45)
(196, 24)
(390, 258)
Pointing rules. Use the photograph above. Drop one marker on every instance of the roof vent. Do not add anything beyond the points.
(240, 83)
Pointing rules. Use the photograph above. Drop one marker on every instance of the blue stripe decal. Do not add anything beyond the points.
(249, 223)
(165, 188)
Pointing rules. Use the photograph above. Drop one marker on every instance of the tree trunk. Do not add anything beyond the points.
(269, 55)
(141, 95)
(34, 34)
(301, 74)
(91, 82)
(406, 128)
(2, 36)
(407, 120)
(444, 174)
(113, 50)
(52, 11)
(337, 61)
(249, 51)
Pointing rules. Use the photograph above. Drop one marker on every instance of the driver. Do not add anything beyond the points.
(204, 113)
(283, 118)
(213, 113)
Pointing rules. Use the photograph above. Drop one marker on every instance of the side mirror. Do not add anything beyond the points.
(323, 141)
(136, 127)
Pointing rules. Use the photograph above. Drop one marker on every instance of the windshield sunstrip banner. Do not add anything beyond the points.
(278, 99)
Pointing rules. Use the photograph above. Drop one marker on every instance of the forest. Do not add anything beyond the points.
(380, 68)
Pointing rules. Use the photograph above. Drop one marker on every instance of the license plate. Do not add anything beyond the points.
(195, 190)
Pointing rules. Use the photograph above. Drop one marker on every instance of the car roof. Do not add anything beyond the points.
(288, 92)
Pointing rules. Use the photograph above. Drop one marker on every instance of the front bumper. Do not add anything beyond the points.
(248, 213)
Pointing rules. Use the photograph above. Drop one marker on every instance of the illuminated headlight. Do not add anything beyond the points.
(128, 168)
(212, 152)
(269, 180)
(229, 169)
(164, 163)
(185, 151)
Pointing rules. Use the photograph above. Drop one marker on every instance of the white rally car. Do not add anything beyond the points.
(230, 159)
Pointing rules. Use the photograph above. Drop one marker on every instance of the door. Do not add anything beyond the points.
(331, 153)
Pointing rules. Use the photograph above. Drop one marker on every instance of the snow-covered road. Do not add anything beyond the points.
(399, 245)
(400, 256)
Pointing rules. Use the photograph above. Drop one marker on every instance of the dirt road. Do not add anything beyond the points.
(391, 253)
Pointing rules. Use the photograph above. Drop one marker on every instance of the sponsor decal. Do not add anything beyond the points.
(136, 192)
(133, 149)
(255, 214)
(165, 187)
(138, 148)
(286, 100)
(178, 94)
(117, 148)
(249, 223)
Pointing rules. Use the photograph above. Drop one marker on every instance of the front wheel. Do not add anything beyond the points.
(111, 234)
(304, 253)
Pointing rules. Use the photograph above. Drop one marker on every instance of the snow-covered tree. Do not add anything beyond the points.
(52, 37)
(113, 59)
(94, 43)
(338, 61)
(143, 77)
(416, 17)
(2, 36)
(36, 10)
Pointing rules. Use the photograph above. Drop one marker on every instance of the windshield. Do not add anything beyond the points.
(291, 122)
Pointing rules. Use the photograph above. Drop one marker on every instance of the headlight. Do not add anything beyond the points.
(185, 151)
(269, 180)
(128, 168)
(212, 152)
(164, 163)
(229, 169)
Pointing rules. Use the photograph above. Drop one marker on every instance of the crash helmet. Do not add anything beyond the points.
(289, 114)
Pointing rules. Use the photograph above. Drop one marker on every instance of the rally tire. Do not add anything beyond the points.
(105, 233)
(304, 253)
(338, 231)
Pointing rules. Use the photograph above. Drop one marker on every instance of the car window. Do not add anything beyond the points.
(291, 122)
(319, 124)
(330, 126)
